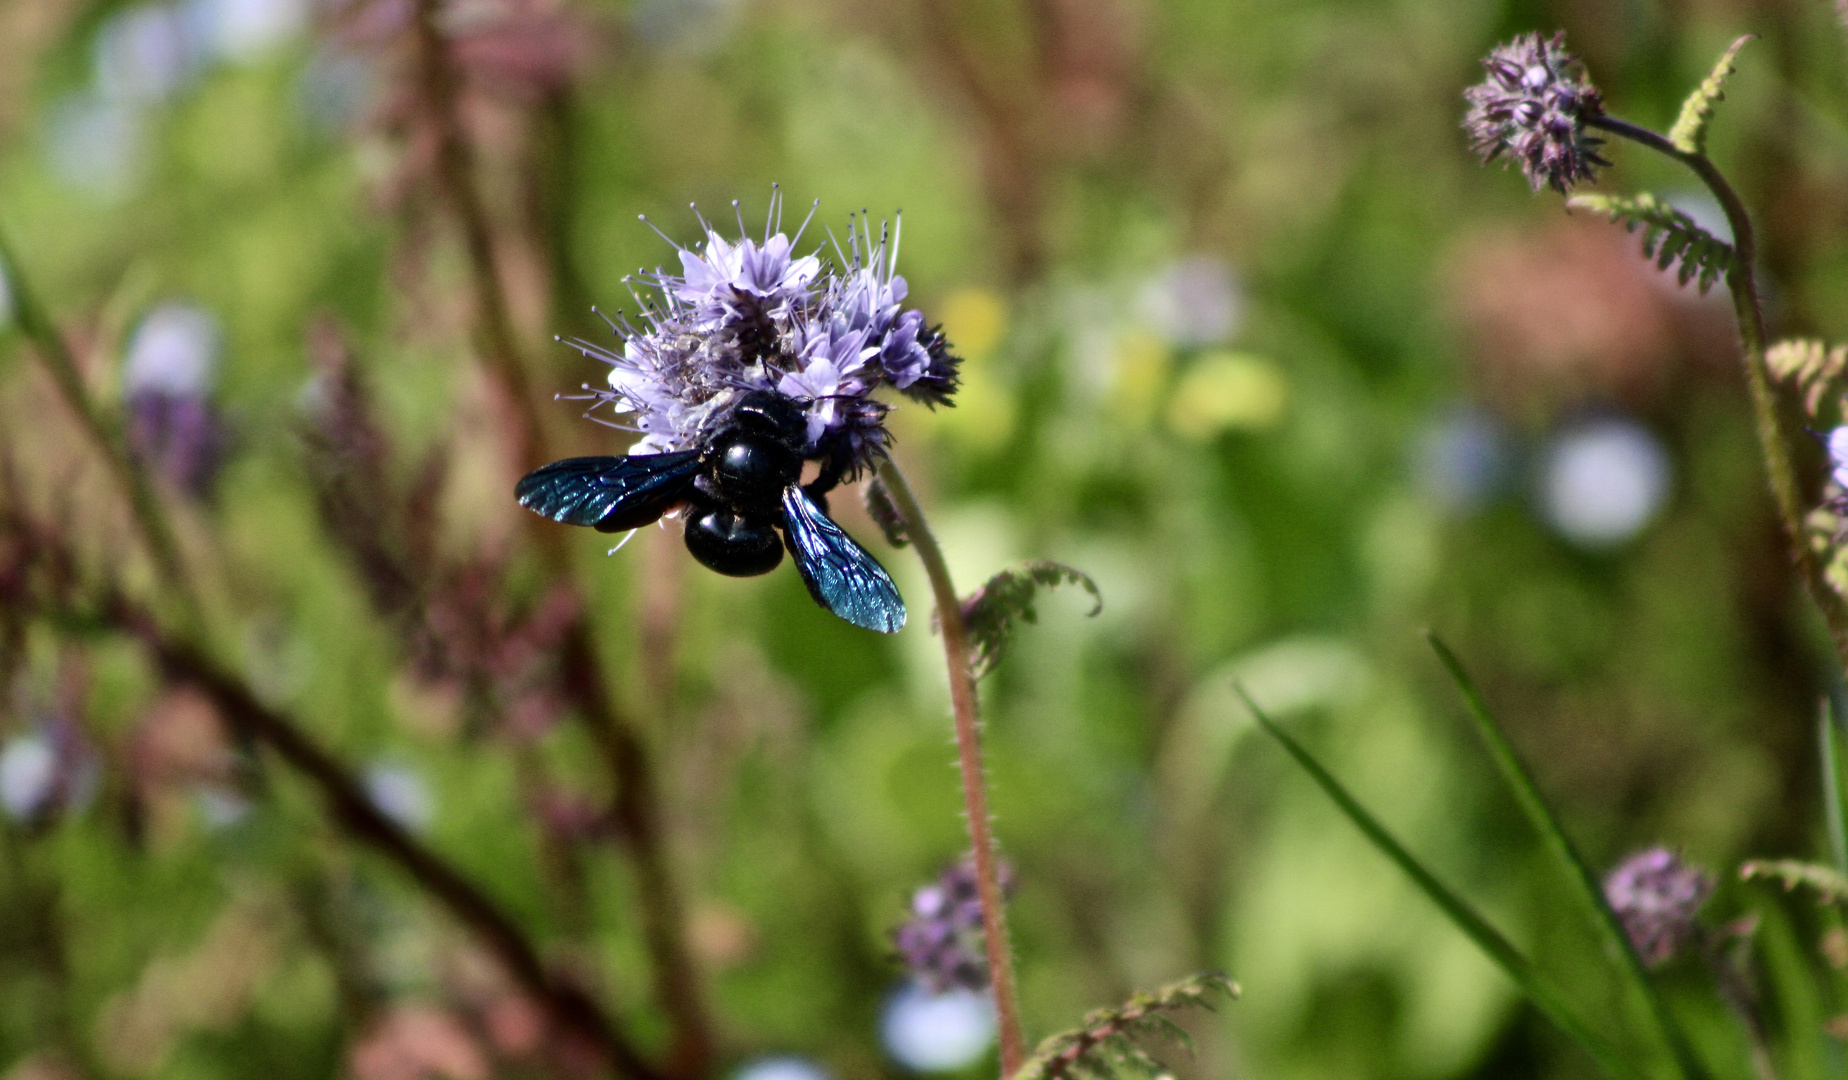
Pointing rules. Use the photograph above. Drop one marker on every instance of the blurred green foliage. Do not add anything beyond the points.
(1262, 496)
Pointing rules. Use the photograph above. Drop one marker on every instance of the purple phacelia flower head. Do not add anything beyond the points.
(1533, 107)
(942, 944)
(744, 315)
(1656, 896)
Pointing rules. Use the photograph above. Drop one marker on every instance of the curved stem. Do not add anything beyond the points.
(969, 754)
(1742, 281)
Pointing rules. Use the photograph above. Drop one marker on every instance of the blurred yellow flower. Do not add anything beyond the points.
(1139, 372)
(974, 319)
(1227, 391)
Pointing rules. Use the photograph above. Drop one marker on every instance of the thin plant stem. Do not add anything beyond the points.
(1742, 282)
(969, 755)
(143, 502)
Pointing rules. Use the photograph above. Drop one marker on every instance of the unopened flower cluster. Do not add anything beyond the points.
(744, 315)
(1533, 107)
(942, 944)
(1656, 896)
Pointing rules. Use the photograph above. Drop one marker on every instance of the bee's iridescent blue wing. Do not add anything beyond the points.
(610, 494)
(840, 574)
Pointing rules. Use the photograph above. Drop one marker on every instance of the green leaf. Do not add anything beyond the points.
(1690, 131)
(990, 612)
(1669, 235)
(1103, 1046)
(1810, 366)
(1588, 886)
(1497, 948)
(1831, 885)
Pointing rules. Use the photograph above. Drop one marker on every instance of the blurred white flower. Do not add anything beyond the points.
(335, 89)
(220, 809)
(242, 31)
(400, 794)
(1603, 481)
(1462, 459)
(144, 54)
(28, 776)
(46, 771)
(1837, 444)
(96, 145)
(688, 25)
(927, 1032)
(6, 299)
(781, 1067)
(174, 351)
(1195, 301)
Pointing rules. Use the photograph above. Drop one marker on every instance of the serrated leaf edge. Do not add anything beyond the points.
(1106, 1036)
(1671, 236)
(1689, 135)
(1809, 365)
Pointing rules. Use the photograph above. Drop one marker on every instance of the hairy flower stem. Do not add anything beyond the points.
(1742, 280)
(969, 753)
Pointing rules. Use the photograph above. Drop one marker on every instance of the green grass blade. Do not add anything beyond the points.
(1590, 888)
(1830, 736)
(1478, 929)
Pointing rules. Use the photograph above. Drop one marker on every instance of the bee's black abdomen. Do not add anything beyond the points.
(734, 544)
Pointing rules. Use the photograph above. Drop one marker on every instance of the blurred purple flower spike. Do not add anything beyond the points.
(942, 944)
(167, 381)
(1656, 896)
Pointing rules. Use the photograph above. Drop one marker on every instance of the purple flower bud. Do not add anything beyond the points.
(743, 315)
(943, 944)
(1656, 897)
(1533, 107)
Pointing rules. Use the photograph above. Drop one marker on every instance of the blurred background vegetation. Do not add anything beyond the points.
(1249, 337)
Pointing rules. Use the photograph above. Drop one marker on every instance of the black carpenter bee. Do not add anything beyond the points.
(737, 490)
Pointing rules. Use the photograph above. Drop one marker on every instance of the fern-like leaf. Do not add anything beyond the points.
(1690, 131)
(990, 612)
(1829, 884)
(1669, 235)
(1810, 366)
(1104, 1045)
